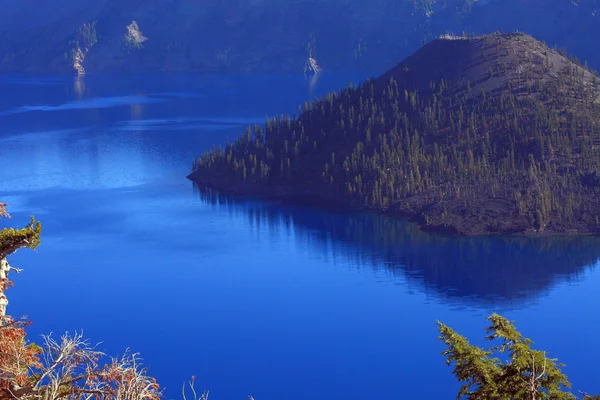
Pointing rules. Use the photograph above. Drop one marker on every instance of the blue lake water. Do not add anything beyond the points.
(251, 297)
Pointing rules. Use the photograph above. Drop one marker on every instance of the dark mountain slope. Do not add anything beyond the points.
(264, 35)
(488, 62)
(495, 134)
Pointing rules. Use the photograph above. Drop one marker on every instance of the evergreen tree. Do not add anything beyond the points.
(510, 369)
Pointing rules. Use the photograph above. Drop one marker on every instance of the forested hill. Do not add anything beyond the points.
(493, 134)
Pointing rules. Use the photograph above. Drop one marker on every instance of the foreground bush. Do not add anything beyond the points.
(64, 368)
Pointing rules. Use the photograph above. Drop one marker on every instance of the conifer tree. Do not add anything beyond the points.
(527, 374)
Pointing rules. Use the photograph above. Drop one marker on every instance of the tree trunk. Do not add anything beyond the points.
(4, 270)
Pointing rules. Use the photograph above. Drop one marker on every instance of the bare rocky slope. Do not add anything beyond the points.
(264, 35)
(497, 134)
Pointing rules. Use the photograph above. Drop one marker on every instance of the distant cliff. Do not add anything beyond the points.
(40, 36)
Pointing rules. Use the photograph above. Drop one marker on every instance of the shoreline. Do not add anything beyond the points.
(307, 198)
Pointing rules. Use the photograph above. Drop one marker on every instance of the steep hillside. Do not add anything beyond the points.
(264, 35)
(493, 134)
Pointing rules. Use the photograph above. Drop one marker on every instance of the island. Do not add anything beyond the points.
(494, 134)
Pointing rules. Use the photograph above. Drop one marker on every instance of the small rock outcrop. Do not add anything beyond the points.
(134, 38)
(78, 57)
(85, 39)
(311, 67)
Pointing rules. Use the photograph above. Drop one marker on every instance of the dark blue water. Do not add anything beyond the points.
(251, 297)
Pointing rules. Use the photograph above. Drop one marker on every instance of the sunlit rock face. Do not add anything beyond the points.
(311, 67)
(269, 36)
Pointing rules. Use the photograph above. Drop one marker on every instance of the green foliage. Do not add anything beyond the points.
(527, 373)
(12, 239)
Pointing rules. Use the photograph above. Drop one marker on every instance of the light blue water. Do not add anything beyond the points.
(251, 297)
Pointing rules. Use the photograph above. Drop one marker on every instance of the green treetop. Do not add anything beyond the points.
(515, 372)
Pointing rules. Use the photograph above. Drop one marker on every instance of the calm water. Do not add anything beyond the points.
(251, 297)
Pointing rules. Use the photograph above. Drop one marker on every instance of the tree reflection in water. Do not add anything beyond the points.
(502, 270)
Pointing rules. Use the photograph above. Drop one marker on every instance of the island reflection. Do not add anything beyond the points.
(474, 271)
